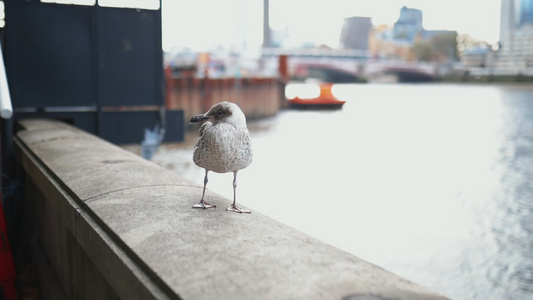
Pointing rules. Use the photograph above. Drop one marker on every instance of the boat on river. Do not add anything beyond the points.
(325, 100)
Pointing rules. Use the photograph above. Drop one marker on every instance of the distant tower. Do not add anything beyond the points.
(355, 33)
(266, 25)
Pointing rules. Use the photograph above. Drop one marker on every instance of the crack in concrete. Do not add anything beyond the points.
(94, 198)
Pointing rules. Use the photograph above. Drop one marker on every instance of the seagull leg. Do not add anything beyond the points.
(234, 207)
(202, 203)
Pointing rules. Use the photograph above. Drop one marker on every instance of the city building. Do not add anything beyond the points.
(515, 55)
(355, 33)
(407, 40)
(383, 45)
(409, 24)
(476, 57)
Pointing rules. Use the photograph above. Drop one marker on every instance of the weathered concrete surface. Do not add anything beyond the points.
(129, 224)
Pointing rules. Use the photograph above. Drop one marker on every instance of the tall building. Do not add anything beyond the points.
(516, 37)
(355, 32)
(409, 24)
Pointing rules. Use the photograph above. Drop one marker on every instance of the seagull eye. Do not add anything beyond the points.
(220, 113)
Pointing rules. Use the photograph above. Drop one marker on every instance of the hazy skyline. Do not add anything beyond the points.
(204, 23)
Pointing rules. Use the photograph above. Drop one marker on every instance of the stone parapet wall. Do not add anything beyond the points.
(111, 225)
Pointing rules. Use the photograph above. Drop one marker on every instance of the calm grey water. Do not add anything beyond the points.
(433, 182)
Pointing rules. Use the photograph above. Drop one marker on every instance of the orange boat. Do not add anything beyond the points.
(324, 100)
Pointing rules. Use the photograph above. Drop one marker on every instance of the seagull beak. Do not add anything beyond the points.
(199, 118)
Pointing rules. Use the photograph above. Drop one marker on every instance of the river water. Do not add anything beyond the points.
(433, 182)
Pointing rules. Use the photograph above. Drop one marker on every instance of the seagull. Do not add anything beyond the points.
(223, 146)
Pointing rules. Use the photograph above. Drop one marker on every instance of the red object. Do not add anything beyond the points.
(283, 68)
(325, 99)
(169, 87)
(7, 268)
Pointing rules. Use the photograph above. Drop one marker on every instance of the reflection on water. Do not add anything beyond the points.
(433, 182)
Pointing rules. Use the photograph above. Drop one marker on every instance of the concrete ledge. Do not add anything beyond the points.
(114, 225)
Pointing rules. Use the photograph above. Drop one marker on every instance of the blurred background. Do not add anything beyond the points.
(453, 37)
(425, 170)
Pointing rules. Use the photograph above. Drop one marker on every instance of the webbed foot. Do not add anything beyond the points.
(234, 208)
(203, 204)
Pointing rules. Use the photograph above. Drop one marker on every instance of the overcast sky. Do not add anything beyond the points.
(203, 23)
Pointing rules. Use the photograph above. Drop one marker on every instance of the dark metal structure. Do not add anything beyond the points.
(99, 68)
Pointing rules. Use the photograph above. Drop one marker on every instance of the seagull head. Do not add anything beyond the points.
(223, 112)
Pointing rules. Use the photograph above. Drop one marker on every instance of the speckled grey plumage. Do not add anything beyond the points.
(224, 145)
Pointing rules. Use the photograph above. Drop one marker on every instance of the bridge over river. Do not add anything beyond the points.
(351, 66)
